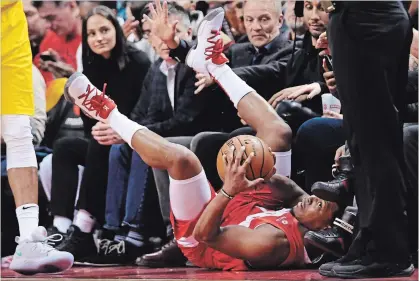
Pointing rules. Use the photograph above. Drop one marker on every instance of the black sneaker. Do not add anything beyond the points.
(113, 253)
(52, 230)
(78, 243)
(372, 269)
(326, 269)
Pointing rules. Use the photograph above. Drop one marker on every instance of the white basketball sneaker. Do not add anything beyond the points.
(80, 91)
(35, 255)
(210, 45)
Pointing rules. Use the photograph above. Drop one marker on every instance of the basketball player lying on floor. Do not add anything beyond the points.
(250, 224)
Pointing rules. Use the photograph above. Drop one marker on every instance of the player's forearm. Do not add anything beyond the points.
(208, 226)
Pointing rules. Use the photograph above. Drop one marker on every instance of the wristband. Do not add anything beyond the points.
(226, 194)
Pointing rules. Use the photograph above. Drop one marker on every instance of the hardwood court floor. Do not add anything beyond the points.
(136, 273)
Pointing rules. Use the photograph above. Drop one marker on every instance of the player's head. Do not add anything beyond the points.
(262, 20)
(183, 29)
(315, 18)
(102, 36)
(315, 213)
(63, 16)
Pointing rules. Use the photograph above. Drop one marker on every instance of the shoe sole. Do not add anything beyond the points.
(323, 194)
(327, 273)
(70, 80)
(320, 246)
(404, 273)
(81, 263)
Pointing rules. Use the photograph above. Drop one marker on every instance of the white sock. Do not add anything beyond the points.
(85, 221)
(125, 127)
(28, 218)
(232, 84)
(283, 163)
(61, 223)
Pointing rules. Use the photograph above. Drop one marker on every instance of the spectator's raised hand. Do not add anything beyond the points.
(329, 77)
(160, 25)
(203, 82)
(129, 26)
(323, 43)
(105, 135)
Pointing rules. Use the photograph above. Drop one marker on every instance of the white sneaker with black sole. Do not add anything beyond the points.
(35, 254)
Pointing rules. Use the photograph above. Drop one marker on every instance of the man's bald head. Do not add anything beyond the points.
(262, 20)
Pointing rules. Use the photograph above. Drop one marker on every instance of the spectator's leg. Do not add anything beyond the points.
(315, 146)
(134, 204)
(206, 145)
(68, 154)
(116, 192)
(161, 178)
(93, 185)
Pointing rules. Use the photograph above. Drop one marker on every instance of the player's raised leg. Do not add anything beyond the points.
(208, 57)
(189, 188)
(33, 254)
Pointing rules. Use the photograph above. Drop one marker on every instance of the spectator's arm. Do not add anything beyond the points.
(265, 79)
(38, 120)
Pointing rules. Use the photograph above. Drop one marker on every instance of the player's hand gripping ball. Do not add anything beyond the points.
(262, 163)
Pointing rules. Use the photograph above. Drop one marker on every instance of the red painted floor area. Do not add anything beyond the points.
(129, 273)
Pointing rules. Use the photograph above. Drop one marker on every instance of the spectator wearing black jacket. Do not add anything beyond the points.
(107, 58)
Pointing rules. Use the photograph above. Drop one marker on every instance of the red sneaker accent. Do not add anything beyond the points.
(100, 104)
(215, 52)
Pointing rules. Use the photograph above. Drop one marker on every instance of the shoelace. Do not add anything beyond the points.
(120, 248)
(216, 49)
(48, 242)
(94, 104)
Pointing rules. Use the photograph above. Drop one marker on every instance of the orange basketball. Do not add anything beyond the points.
(261, 164)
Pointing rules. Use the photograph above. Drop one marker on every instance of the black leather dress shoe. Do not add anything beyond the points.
(169, 256)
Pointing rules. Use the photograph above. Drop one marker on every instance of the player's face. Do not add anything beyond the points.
(101, 35)
(315, 213)
(262, 22)
(315, 18)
